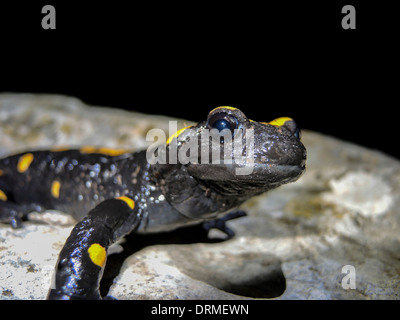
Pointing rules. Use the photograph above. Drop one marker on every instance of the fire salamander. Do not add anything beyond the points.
(112, 193)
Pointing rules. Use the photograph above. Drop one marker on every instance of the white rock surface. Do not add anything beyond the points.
(292, 245)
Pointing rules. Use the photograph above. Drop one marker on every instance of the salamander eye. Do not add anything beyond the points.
(221, 121)
(289, 124)
(222, 124)
(297, 133)
(292, 126)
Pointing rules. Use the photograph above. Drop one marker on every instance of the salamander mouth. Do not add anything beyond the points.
(262, 179)
(256, 173)
(274, 173)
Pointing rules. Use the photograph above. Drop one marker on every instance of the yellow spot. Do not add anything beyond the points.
(88, 149)
(279, 122)
(97, 254)
(24, 162)
(55, 189)
(3, 196)
(225, 107)
(103, 150)
(176, 134)
(1, 172)
(112, 152)
(128, 201)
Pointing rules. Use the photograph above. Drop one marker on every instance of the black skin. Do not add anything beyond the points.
(165, 196)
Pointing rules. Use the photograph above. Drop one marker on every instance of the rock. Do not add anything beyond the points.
(337, 226)
(39, 121)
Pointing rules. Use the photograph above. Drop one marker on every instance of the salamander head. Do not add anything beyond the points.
(223, 161)
(229, 149)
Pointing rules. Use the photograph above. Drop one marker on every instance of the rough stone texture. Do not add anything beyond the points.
(292, 245)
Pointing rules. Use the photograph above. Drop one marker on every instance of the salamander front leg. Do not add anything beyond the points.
(220, 223)
(81, 262)
(14, 214)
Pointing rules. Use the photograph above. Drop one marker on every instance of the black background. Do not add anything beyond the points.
(290, 58)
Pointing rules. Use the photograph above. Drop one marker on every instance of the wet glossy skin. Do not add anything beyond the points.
(205, 190)
(114, 193)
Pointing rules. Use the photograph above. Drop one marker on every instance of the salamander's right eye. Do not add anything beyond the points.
(223, 120)
(222, 124)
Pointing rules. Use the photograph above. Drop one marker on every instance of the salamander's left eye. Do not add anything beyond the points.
(222, 120)
(292, 126)
(297, 133)
(289, 124)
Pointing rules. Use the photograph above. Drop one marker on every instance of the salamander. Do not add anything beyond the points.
(112, 193)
